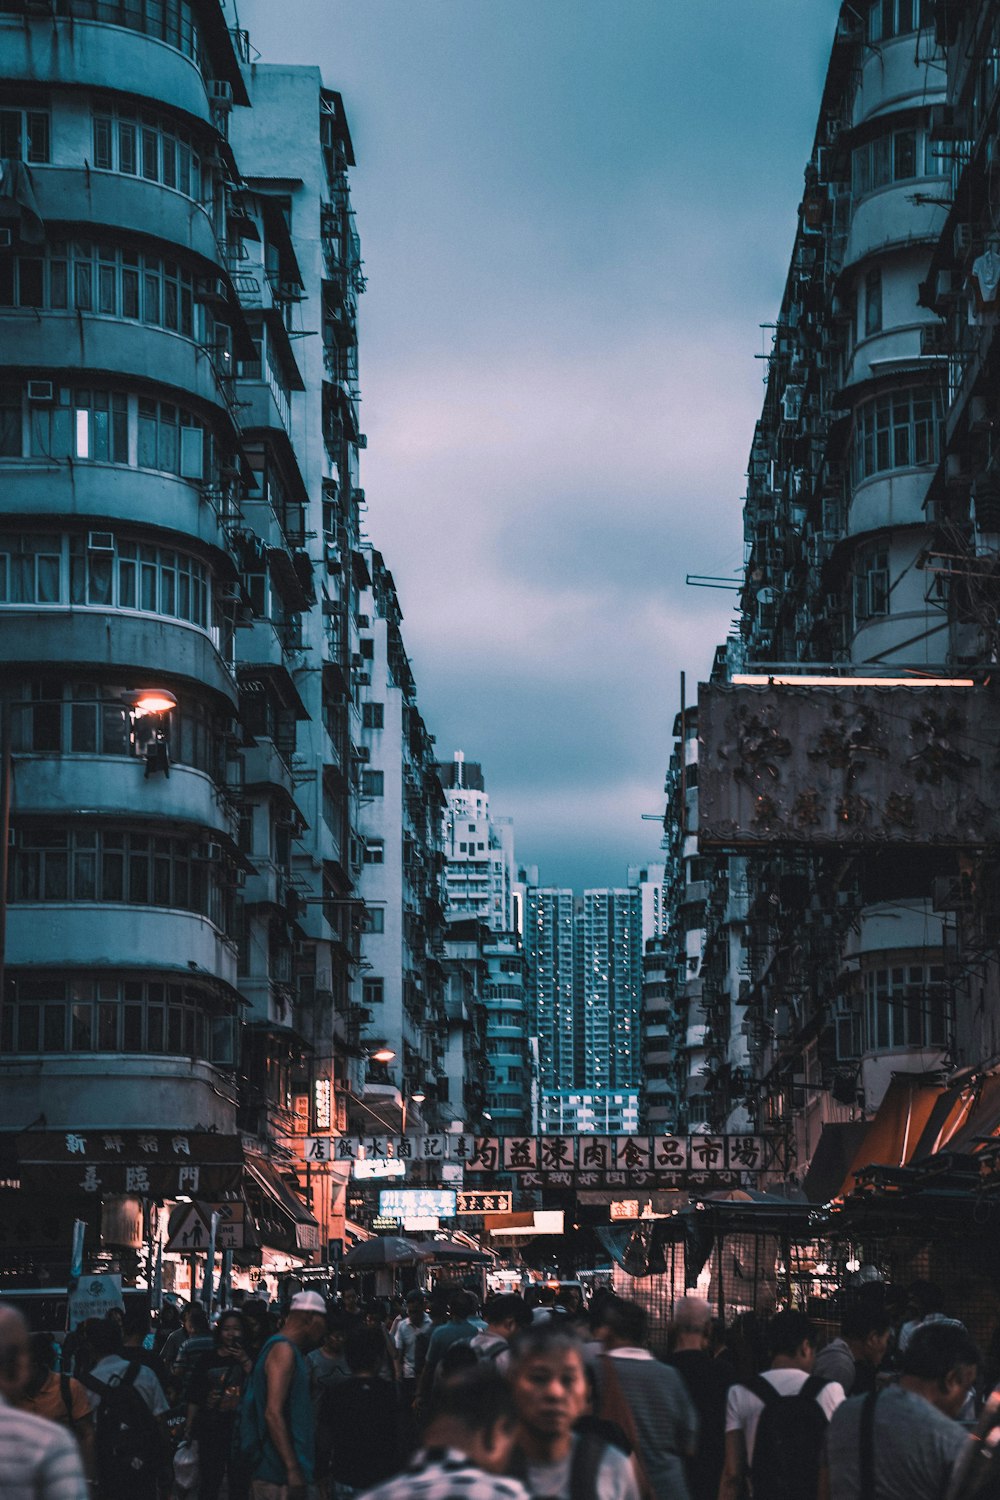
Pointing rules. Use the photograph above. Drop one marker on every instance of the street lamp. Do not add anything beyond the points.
(152, 703)
(382, 1054)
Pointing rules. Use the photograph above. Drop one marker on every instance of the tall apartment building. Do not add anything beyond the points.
(401, 882)
(479, 848)
(608, 990)
(549, 946)
(181, 679)
(862, 555)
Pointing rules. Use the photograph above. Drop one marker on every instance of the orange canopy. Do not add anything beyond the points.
(894, 1134)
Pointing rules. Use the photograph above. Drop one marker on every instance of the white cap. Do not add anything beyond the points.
(307, 1302)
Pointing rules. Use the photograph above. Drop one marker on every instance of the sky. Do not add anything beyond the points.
(575, 215)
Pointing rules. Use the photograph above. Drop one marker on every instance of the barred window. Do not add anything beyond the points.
(899, 430)
(373, 783)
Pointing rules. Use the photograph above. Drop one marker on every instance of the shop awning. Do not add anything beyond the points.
(966, 1115)
(836, 1150)
(283, 1221)
(893, 1136)
(144, 1163)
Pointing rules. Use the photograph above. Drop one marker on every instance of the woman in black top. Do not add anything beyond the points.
(214, 1395)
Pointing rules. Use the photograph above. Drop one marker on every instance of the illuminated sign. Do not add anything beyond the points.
(484, 1203)
(417, 1203)
(369, 1169)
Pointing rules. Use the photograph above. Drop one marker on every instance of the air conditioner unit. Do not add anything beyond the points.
(363, 622)
(220, 93)
(361, 752)
(6, 239)
(40, 391)
(100, 541)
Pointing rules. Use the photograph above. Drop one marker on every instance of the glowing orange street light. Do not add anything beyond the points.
(382, 1054)
(151, 701)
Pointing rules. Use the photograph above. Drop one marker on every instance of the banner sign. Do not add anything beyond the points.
(140, 1163)
(94, 1297)
(854, 765)
(484, 1203)
(570, 1160)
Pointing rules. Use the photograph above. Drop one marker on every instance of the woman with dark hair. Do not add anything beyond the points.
(213, 1402)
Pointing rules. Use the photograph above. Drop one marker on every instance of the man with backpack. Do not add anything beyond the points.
(130, 1439)
(776, 1423)
(902, 1442)
(504, 1315)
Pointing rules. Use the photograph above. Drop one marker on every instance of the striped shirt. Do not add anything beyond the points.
(39, 1460)
(446, 1474)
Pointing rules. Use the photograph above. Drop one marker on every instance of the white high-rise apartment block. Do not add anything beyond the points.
(479, 849)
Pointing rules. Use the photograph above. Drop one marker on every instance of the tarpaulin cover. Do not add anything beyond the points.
(892, 1138)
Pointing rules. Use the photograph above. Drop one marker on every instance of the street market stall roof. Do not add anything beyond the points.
(893, 1136)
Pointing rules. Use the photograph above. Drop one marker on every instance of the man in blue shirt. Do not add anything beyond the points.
(283, 1461)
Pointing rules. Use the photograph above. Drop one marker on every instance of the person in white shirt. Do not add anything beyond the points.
(792, 1341)
(39, 1459)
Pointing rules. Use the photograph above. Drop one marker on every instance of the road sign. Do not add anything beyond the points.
(230, 1233)
(190, 1230)
(483, 1203)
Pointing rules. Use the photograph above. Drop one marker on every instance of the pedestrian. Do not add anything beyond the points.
(39, 1459)
(135, 1331)
(171, 1346)
(551, 1395)
(505, 1315)
(853, 1359)
(215, 1392)
(328, 1364)
(277, 1434)
(199, 1341)
(57, 1397)
(130, 1441)
(378, 1314)
(460, 1327)
(359, 1421)
(707, 1381)
(408, 1331)
(467, 1444)
(776, 1422)
(647, 1399)
(902, 1442)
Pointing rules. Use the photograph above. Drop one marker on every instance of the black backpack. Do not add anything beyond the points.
(789, 1441)
(129, 1444)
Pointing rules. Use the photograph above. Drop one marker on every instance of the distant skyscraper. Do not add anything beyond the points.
(549, 947)
(648, 880)
(609, 989)
(479, 849)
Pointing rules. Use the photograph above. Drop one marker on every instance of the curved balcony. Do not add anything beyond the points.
(888, 500)
(116, 785)
(98, 934)
(147, 1090)
(882, 637)
(73, 53)
(889, 81)
(82, 344)
(887, 219)
(904, 925)
(894, 349)
(112, 493)
(147, 645)
(71, 195)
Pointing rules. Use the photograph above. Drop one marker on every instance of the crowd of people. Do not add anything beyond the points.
(523, 1398)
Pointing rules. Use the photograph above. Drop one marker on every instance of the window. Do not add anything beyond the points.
(149, 146)
(373, 783)
(24, 135)
(895, 157)
(86, 863)
(49, 716)
(108, 279)
(890, 18)
(873, 303)
(374, 851)
(374, 919)
(896, 431)
(115, 1014)
(906, 1005)
(373, 992)
(103, 426)
(47, 568)
(871, 584)
(373, 715)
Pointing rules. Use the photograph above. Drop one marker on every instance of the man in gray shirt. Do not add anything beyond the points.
(649, 1396)
(853, 1359)
(915, 1440)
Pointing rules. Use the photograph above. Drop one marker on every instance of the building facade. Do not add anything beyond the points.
(479, 848)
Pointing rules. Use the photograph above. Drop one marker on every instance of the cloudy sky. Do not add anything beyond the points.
(575, 214)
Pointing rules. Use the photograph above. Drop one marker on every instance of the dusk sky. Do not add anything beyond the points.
(574, 215)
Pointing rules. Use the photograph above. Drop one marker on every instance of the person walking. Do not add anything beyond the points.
(408, 1331)
(902, 1442)
(215, 1391)
(130, 1441)
(551, 1395)
(58, 1397)
(707, 1381)
(460, 1328)
(504, 1314)
(648, 1400)
(39, 1459)
(360, 1425)
(776, 1423)
(277, 1434)
(466, 1446)
(853, 1359)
